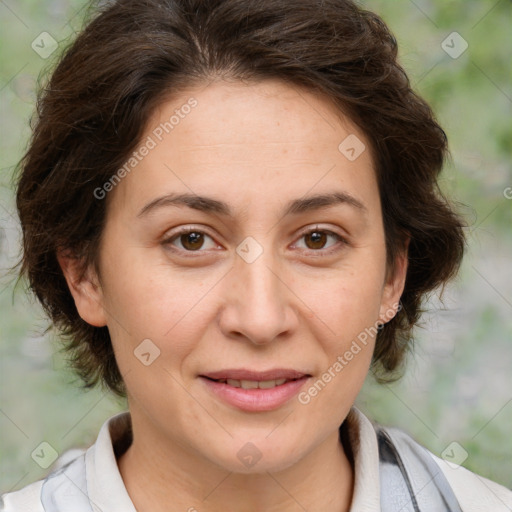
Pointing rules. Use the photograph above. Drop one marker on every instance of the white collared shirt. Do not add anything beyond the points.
(107, 493)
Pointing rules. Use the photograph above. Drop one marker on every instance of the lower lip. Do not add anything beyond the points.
(255, 400)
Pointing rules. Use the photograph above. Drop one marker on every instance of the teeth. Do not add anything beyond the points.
(253, 384)
(267, 384)
(248, 384)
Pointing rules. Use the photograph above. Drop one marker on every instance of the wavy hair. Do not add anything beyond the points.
(134, 54)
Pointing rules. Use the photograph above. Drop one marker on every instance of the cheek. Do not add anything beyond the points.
(348, 309)
(347, 306)
(148, 300)
(347, 301)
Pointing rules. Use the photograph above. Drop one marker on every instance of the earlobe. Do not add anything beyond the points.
(85, 289)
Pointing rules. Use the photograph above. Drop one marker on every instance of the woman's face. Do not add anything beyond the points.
(283, 272)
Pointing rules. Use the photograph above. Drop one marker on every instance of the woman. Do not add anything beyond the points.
(230, 209)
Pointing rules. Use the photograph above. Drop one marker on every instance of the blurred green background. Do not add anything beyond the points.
(458, 385)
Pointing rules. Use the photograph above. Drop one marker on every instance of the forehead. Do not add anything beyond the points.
(263, 138)
(255, 114)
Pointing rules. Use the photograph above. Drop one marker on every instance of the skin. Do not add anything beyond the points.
(255, 147)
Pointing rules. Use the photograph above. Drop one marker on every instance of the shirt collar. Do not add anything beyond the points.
(105, 485)
(365, 450)
(107, 491)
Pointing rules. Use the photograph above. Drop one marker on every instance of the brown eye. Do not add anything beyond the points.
(192, 241)
(317, 239)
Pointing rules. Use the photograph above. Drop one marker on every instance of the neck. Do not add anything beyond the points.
(159, 474)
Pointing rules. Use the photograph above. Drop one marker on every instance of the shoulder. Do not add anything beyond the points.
(473, 492)
(79, 477)
(27, 499)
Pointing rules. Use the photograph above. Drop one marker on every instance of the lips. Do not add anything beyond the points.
(254, 384)
(255, 391)
(251, 375)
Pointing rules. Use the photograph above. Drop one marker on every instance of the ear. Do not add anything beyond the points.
(85, 289)
(394, 285)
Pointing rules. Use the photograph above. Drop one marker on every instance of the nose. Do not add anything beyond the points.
(259, 304)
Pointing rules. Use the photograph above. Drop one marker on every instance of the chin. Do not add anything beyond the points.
(258, 456)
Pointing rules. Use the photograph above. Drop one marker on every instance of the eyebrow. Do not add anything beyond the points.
(294, 207)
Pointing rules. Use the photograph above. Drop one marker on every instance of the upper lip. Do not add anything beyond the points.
(244, 374)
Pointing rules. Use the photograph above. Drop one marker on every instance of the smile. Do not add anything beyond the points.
(255, 394)
(253, 384)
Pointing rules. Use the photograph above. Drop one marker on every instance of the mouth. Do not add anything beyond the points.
(255, 391)
(253, 384)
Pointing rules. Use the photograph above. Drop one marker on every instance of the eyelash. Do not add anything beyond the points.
(185, 231)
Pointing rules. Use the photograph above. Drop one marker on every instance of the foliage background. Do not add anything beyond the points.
(458, 386)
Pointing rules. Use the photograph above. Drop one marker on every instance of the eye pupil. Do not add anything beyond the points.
(192, 240)
(318, 239)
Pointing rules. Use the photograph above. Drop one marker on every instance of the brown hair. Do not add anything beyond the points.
(134, 53)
